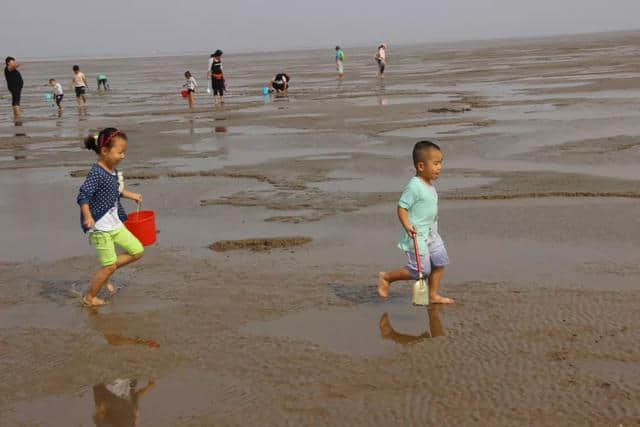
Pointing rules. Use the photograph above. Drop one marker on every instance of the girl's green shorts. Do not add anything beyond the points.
(105, 243)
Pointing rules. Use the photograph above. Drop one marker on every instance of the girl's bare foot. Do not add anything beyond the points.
(383, 285)
(437, 299)
(92, 302)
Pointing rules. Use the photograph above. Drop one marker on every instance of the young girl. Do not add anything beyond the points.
(102, 214)
(190, 86)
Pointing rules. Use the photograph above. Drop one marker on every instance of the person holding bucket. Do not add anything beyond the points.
(418, 214)
(102, 214)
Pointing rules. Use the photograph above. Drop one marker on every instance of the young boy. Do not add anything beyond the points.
(80, 85)
(58, 94)
(102, 81)
(418, 214)
(340, 62)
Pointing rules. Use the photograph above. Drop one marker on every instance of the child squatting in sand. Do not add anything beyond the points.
(418, 214)
(102, 214)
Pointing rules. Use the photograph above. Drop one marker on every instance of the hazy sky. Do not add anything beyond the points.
(44, 28)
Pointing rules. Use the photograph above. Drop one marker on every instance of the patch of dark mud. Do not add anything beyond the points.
(448, 110)
(211, 173)
(616, 148)
(522, 185)
(628, 195)
(295, 219)
(260, 244)
(320, 202)
(357, 294)
(476, 101)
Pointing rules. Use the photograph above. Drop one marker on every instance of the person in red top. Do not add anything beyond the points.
(14, 84)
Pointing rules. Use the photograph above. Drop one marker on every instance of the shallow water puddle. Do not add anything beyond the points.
(447, 129)
(348, 181)
(124, 402)
(53, 146)
(238, 130)
(399, 100)
(373, 328)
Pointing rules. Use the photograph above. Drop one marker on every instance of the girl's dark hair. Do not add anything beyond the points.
(217, 53)
(76, 68)
(187, 74)
(104, 138)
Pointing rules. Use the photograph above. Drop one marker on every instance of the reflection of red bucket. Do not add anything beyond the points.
(184, 93)
(142, 224)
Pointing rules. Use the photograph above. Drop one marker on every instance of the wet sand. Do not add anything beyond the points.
(257, 305)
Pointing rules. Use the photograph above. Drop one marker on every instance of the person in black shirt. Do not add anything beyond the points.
(14, 84)
(216, 75)
(280, 82)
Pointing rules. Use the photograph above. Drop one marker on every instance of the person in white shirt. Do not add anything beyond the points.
(81, 86)
(381, 59)
(190, 87)
(58, 94)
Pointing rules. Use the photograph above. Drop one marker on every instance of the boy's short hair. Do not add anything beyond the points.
(337, 47)
(8, 59)
(76, 68)
(421, 148)
(52, 80)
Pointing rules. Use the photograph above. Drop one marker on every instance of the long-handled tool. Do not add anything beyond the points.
(420, 288)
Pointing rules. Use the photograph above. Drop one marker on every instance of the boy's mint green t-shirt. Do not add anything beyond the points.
(421, 200)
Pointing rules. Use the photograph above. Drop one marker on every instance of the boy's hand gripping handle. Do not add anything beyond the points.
(417, 252)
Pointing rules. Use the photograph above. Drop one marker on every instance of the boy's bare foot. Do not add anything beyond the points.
(437, 299)
(383, 285)
(92, 302)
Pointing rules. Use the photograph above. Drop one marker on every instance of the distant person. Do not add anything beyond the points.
(102, 81)
(418, 214)
(280, 82)
(340, 62)
(381, 59)
(14, 85)
(102, 214)
(79, 83)
(58, 94)
(216, 75)
(190, 86)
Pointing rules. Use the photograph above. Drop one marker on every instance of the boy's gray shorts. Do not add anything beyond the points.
(436, 256)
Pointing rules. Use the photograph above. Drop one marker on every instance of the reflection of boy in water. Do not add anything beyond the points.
(117, 403)
(435, 326)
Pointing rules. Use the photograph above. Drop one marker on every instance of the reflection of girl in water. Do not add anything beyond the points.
(117, 403)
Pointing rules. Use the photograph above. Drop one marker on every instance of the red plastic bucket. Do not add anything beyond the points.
(184, 93)
(142, 224)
